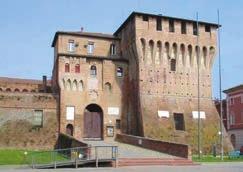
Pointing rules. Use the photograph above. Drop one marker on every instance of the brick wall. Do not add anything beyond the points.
(176, 149)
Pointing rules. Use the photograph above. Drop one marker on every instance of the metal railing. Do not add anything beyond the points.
(74, 156)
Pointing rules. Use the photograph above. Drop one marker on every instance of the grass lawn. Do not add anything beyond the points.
(9, 157)
(210, 158)
(18, 157)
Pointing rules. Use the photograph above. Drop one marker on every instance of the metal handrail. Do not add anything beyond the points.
(74, 155)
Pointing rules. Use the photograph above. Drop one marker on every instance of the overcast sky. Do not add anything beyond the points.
(27, 28)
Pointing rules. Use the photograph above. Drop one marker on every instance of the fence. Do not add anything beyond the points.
(74, 156)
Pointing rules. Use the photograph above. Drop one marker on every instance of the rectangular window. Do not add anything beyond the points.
(90, 48)
(113, 49)
(183, 27)
(70, 113)
(71, 46)
(173, 64)
(145, 18)
(179, 121)
(118, 124)
(158, 24)
(231, 101)
(207, 28)
(38, 118)
(171, 26)
(195, 31)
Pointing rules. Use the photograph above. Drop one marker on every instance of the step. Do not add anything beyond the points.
(154, 161)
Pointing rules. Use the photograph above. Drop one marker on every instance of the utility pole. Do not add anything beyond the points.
(198, 91)
(220, 96)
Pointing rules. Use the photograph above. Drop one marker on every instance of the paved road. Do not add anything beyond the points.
(220, 167)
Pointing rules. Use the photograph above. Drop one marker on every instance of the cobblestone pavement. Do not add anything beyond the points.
(220, 167)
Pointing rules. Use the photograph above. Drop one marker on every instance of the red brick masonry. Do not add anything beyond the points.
(176, 149)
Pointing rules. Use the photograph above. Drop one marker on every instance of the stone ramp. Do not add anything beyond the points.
(130, 155)
(131, 151)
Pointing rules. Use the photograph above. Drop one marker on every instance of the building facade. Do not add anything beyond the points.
(142, 80)
(234, 99)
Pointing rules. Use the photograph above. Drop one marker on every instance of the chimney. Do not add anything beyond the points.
(44, 83)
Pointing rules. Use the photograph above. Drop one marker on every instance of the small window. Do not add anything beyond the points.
(231, 101)
(183, 27)
(118, 124)
(16, 90)
(159, 24)
(145, 18)
(90, 48)
(173, 64)
(77, 68)
(119, 72)
(179, 121)
(67, 67)
(25, 90)
(195, 30)
(71, 46)
(38, 118)
(113, 49)
(69, 129)
(93, 71)
(171, 26)
(207, 28)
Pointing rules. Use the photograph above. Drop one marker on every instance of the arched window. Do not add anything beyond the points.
(25, 90)
(182, 51)
(93, 71)
(75, 85)
(190, 54)
(68, 85)
(108, 87)
(205, 53)
(69, 129)
(8, 90)
(80, 86)
(77, 68)
(119, 71)
(16, 90)
(233, 139)
(33, 91)
(67, 67)
(143, 44)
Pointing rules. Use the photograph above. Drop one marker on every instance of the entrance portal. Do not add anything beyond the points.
(93, 122)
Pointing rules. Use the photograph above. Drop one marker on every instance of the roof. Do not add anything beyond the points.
(130, 17)
(87, 34)
(21, 81)
(238, 87)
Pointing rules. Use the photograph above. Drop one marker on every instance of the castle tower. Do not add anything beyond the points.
(163, 65)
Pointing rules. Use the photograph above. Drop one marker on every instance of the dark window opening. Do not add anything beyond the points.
(67, 67)
(119, 72)
(195, 29)
(25, 90)
(171, 26)
(145, 18)
(16, 90)
(69, 129)
(118, 124)
(159, 24)
(179, 121)
(77, 68)
(173, 64)
(93, 71)
(8, 90)
(207, 28)
(113, 49)
(183, 27)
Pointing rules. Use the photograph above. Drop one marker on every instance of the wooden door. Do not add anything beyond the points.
(92, 125)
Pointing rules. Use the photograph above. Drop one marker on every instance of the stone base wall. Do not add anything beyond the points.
(176, 149)
(16, 121)
(164, 128)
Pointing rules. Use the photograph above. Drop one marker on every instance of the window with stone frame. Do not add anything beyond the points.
(179, 121)
(38, 118)
(93, 71)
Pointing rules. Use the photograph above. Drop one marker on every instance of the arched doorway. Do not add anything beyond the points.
(93, 122)
(233, 140)
(69, 129)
